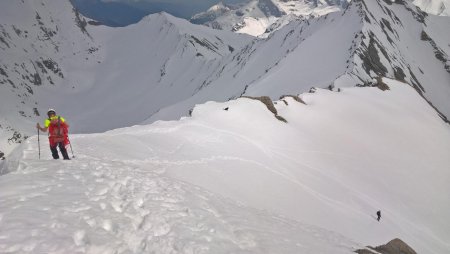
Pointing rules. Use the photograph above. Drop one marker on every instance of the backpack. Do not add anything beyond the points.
(57, 130)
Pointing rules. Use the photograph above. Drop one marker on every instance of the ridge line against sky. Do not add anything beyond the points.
(125, 12)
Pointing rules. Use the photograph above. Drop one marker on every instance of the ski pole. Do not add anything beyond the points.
(71, 150)
(39, 145)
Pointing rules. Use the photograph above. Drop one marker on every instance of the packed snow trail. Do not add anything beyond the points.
(96, 204)
(219, 181)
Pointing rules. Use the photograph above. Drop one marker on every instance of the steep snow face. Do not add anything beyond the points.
(286, 62)
(162, 67)
(435, 7)
(220, 180)
(54, 57)
(150, 65)
(313, 8)
(43, 44)
(258, 17)
(400, 41)
(252, 17)
(368, 39)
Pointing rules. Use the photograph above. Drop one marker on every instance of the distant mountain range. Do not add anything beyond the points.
(260, 17)
(158, 69)
(255, 15)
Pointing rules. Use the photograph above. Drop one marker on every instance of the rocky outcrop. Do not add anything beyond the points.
(395, 246)
(269, 104)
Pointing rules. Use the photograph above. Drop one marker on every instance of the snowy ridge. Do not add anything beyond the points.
(240, 19)
(435, 7)
(368, 39)
(251, 17)
(160, 68)
(391, 48)
(59, 60)
(216, 184)
(42, 44)
(111, 206)
(254, 19)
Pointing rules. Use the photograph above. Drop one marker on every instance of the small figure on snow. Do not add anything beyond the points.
(58, 131)
(379, 215)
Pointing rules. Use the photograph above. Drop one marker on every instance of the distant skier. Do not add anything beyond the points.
(57, 133)
(379, 215)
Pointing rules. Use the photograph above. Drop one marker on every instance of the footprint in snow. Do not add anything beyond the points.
(79, 238)
(117, 206)
(101, 191)
(108, 225)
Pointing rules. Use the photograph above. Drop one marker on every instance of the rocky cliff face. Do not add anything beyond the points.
(395, 246)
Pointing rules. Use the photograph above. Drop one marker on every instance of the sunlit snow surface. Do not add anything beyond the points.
(241, 181)
(435, 7)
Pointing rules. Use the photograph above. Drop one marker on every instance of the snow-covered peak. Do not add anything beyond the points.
(251, 17)
(314, 8)
(241, 181)
(435, 7)
(42, 43)
(258, 17)
(185, 28)
(218, 7)
(54, 57)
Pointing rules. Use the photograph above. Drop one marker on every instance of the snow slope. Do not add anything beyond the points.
(435, 7)
(42, 45)
(56, 58)
(242, 181)
(101, 78)
(258, 17)
(369, 39)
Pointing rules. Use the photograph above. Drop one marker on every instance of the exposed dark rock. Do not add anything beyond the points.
(415, 82)
(81, 22)
(371, 59)
(94, 23)
(381, 85)
(204, 43)
(269, 8)
(417, 13)
(3, 72)
(53, 66)
(395, 246)
(269, 104)
(92, 50)
(438, 53)
(296, 98)
(36, 112)
(399, 74)
(36, 79)
(17, 137)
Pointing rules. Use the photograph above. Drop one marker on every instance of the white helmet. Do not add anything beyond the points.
(51, 111)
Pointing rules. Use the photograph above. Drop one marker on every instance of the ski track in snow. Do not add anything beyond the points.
(96, 205)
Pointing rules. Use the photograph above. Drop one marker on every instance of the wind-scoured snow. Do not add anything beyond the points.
(55, 58)
(367, 40)
(241, 181)
(101, 78)
(435, 7)
(258, 17)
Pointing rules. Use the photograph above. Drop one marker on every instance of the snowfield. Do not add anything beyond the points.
(102, 78)
(241, 181)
